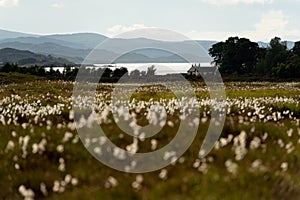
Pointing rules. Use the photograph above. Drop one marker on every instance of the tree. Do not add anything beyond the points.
(41, 71)
(6, 68)
(260, 66)
(289, 69)
(275, 55)
(135, 73)
(9, 67)
(119, 72)
(151, 71)
(235, 55)
(247, 55)
(107, 73)
(67, 70)
(51, 71)
(143, 73)
(296, 48)
(217, 52)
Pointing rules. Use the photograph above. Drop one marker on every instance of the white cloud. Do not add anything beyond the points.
(233, 2)
(210, 35)
(143, 31)
(271, 24)
(118, 29)
(57, 5)
(9, 3)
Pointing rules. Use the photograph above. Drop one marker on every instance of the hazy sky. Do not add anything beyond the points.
(197, 19)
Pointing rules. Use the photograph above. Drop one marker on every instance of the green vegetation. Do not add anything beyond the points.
(22, 57)
(13, 77)
(69, 73)
(40, 148)
(240, 56)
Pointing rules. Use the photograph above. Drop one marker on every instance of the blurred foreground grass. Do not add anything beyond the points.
(63, 169)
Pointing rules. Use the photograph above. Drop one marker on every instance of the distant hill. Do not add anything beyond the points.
(22, 57)
(82, 40)
(77, 41)
(161, 50)
(40, 40)
(72, 54)
(289, 44)
(75, 47)
(206, 44)
(11, 34)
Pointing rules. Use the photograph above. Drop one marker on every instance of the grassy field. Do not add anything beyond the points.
(257, 156)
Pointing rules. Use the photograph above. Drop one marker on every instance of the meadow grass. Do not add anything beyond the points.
(268, 170)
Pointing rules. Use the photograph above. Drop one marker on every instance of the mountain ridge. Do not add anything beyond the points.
(76, 46)
(5, 34)
(24, 57)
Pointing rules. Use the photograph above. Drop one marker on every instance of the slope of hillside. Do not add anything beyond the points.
(11, 34)
(82, 40)
(72, 54)
(75, 47)
(29, 58)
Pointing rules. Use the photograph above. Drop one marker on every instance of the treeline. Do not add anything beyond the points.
(240, 56)
(70, 73)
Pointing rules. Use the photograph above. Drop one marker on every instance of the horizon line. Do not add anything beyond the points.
(34, 34)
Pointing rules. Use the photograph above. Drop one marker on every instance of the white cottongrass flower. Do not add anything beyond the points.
(28, 194)
(210, 159)
(43, 189)
(181, 160)
(284, 166)
(290, 132)
(39, 148)
(289, 147)
(74, 181)
(60, 148)
(10, 146)
(98, 150)
(17, 166)
(170, 155)
(14, 134)
(137, 184)
(133, 148)
(203, 167)
(58, 187)
(24, 142)
(62, 165)
(119, 153)
(231, 167)
(142, 137)
(111, 182)
(67, 137)
(280, 143)
(223, 142)
(71, 114)
(163, 174)
(196, 163)
(75, 139)
(170, 124)
(153, 144)
(68, 178)
(265, 136)
(255, 143)
(139, 178)
(239, 145)
(257, 166)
